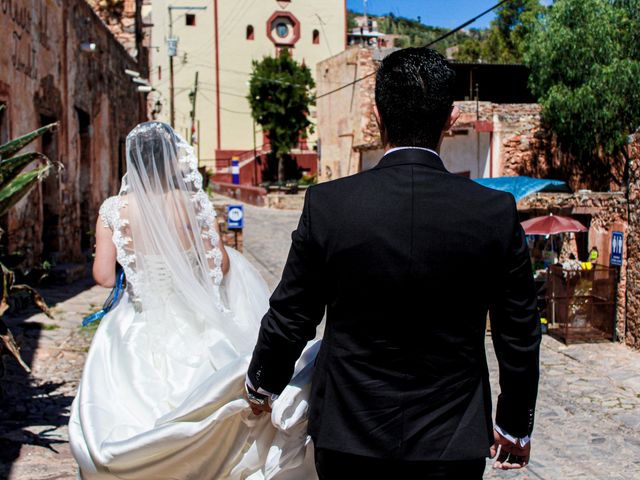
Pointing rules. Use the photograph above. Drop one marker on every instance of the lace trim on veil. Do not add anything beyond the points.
(205, 214)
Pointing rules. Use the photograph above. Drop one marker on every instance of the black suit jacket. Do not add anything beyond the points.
(407, 258)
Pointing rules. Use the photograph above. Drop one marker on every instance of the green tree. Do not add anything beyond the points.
(514, 21)
(469, 51)
(351, 21)
(280, 95)
(504, 41)
(585, 70)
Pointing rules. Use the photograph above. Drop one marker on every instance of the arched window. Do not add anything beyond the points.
(316, 37)
(250, 33)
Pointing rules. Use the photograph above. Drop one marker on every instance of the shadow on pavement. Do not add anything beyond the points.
(33, 410)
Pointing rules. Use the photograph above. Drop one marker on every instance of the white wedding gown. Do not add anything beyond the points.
(161, 395)
(160, 400)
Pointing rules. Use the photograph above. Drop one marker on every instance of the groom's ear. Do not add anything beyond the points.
(453, 118)
(383, 133)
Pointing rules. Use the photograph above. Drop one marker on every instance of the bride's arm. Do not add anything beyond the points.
(104, 263)
(225, 256)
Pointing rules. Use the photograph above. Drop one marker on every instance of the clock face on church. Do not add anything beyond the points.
(283, 29)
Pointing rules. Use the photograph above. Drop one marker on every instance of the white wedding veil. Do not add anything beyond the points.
(166, 237)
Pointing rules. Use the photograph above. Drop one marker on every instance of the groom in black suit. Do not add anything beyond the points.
(407, 259)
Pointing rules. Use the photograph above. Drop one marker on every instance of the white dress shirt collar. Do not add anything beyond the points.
(395, 149)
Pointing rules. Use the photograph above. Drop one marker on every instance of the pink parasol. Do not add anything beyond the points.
(552, 224)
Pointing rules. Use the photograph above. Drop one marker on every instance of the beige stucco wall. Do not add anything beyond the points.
(197, 52)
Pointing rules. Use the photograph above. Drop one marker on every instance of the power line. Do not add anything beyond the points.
(223, 108)
(342, 87)
(439, 39)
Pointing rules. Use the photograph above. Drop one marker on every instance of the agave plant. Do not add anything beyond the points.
(15, 183)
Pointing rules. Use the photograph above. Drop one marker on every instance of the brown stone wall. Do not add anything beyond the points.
(124, 19)
(608, 213)
(45, 76)
(633, 249)
(527, 147)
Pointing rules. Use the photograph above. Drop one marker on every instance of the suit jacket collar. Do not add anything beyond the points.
(411, 156)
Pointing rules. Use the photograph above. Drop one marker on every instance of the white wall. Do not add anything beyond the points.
(467, 153)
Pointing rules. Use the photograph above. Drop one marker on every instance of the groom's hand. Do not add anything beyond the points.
(510, 455)
(258, 402)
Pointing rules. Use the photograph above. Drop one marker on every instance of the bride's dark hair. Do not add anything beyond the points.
(152, 149)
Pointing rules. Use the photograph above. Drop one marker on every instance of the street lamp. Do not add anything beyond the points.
(172, 50)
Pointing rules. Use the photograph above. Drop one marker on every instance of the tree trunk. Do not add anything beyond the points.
(281, 178)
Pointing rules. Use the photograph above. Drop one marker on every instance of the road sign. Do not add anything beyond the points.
(172, 46)
(235, 217)
(617, 249)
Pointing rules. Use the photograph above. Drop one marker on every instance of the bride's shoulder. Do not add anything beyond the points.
(108, 210)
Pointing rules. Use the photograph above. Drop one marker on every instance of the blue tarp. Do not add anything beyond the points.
(520, 187)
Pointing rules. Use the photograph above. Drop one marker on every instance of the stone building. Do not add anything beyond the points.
(62, 64)
(479, 145)
(125, 21)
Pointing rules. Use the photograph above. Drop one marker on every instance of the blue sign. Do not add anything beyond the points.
(235, 171)
(617, 249)
(235, 217)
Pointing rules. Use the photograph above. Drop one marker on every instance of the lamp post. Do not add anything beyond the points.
(172, 50)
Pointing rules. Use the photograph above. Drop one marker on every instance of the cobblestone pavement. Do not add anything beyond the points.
(588, 420)
(35, 409)
(267, 237)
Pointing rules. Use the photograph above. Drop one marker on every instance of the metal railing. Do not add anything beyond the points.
(581, 304)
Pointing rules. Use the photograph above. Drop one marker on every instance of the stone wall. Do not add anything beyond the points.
(346, 118)
(608, 213)
(230, 238)
(632, 337)
(529, 148)
(45, 77)
(284, 201)
(124, 20)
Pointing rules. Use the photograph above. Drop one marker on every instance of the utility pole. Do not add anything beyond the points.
(255, 154)
(172, 50)
(199, 137)
(192, 96)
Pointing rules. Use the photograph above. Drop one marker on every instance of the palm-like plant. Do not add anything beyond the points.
(15, 183)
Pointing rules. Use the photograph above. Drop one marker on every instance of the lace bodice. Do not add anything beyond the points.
(109, 212)
(157, 276)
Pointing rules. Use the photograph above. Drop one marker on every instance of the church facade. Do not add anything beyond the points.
(219, 41)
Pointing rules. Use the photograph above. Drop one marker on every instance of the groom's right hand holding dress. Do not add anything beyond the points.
(515, 330)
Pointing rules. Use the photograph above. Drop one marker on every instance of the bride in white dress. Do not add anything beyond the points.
(161, 395)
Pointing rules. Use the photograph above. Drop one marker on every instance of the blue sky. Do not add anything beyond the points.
(439, 13)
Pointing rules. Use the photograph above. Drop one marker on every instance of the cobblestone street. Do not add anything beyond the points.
(588, 420)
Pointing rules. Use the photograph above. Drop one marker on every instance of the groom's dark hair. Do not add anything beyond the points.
(414, 96)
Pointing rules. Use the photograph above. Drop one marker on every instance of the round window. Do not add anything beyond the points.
(282, 29)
